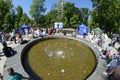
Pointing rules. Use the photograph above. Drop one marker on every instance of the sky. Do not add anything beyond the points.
(25, 4)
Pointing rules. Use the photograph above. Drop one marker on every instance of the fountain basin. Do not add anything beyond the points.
(54, 58)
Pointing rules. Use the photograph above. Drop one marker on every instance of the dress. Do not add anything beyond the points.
(16, 76)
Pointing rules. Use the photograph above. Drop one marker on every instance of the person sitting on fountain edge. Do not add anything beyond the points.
(14, 75)
(8, 51)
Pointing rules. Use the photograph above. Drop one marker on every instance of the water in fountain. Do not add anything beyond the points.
(61, 59)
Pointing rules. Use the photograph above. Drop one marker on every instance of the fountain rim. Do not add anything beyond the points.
(87, 43)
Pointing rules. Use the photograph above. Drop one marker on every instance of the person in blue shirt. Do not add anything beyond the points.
(108, 49)
(112, 64)
(14, 75)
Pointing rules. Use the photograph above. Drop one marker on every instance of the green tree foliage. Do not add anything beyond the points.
(59, 7)
(107, 14)
(55, 15)
(19, 12)
(51, 17)
(24, 19)
(70, 13)
(7, 15)
(37, 10)
(93, 16)
(84, 15)
(74, 21)
(67, 13)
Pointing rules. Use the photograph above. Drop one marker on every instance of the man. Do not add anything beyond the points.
(114, 74)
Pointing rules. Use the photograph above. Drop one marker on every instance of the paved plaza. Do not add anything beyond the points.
(14, 60)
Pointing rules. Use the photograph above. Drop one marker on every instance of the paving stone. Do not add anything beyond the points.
(15, 61)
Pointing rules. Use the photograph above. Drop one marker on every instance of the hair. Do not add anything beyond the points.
(4, 44)
(10, 71)
(118, 49)
(109, 44)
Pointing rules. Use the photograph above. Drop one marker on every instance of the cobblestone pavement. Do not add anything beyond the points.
(96, 76)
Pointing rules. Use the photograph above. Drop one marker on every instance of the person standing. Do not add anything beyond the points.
(20, 39)
(84, 33)
(26, 32)
(3, 38)
(13, 36)
(91, 37)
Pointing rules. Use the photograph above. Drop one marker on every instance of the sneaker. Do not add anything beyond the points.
(105, 73)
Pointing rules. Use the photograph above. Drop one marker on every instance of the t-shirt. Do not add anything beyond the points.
(16, 76)
(109, 48)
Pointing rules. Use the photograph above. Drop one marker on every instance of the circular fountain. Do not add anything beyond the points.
(58, 58)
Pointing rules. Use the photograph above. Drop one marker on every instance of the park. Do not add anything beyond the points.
(66, 43)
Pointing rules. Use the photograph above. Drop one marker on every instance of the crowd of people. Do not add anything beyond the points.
(113, 67)
(112, 59)
(48, 31)
(98, 40)
(17, 37)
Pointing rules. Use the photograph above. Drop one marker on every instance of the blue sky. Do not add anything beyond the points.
(25, 4)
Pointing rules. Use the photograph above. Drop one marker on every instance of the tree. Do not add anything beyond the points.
(60, 10)
(70, 13)
(19, 13)
(66, 12)
(24, 19)
(74, 21)
(107, 14)
(7, 16)
(84, 15)
(37, 10)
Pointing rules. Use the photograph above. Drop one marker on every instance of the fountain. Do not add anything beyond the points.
(58, 58)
